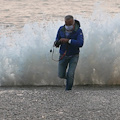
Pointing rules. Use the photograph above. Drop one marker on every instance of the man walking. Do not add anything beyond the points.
(70, 39)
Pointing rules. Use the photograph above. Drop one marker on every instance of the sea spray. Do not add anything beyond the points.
(25, 58)
(101, 52)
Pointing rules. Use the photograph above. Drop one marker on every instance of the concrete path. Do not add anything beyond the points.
(54, 103)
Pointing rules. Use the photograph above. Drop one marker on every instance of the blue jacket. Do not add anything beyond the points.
(77, 40)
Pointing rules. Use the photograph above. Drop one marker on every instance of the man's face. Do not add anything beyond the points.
(69, 22)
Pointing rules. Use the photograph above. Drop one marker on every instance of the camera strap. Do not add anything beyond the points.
(60, 57)
(63, 55)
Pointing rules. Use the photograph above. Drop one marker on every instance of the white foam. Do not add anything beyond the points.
(25, 58)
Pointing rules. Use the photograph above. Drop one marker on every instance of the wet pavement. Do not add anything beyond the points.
(54, 103)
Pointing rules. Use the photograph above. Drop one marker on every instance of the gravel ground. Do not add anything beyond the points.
(54, 103)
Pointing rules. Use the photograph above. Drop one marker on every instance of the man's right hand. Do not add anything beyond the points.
(55, 44)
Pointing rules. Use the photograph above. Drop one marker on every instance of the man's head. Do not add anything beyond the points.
(69, 22)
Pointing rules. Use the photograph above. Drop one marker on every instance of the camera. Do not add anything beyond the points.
(57, 43)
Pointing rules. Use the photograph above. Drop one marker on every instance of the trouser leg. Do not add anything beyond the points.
(71, 71)
(62, 66)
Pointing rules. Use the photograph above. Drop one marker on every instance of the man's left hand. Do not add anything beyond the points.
(64, 40)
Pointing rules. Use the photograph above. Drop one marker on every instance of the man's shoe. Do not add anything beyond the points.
(67, 89)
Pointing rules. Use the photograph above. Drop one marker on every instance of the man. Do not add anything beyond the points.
(70, 38)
